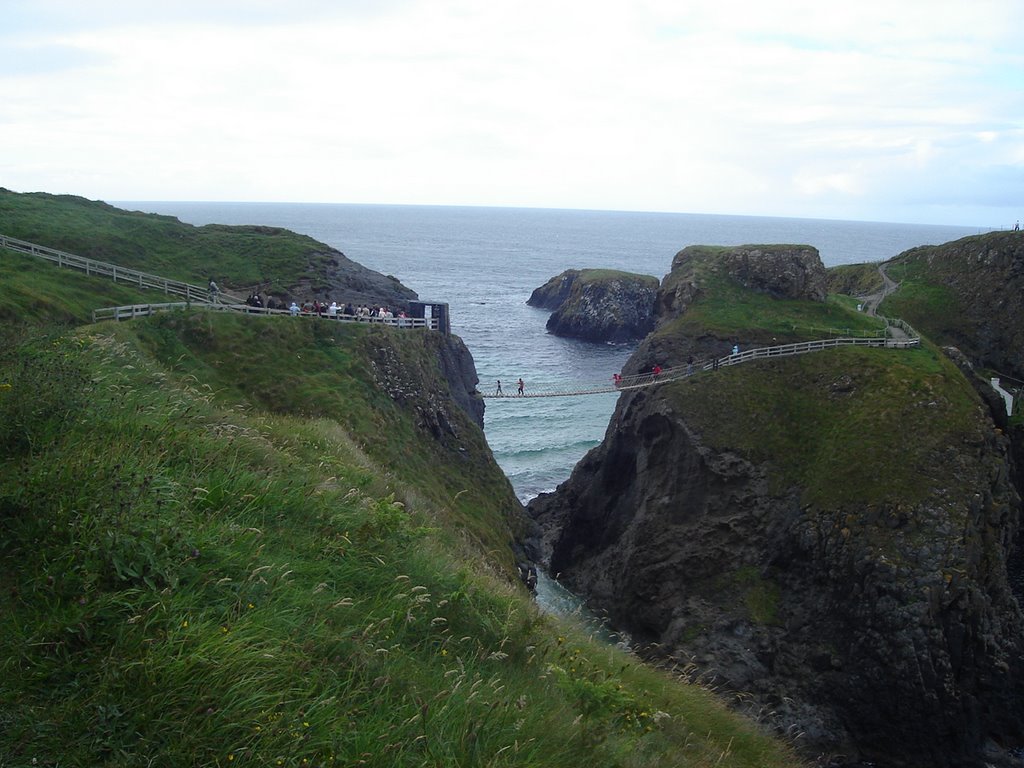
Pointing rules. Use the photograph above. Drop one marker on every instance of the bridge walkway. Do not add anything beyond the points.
(907, 339)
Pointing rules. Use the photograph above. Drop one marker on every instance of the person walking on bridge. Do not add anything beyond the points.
(521, 386)
(498, 390)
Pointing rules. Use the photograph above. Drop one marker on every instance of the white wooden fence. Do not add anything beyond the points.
(131, 311)
(119, 274)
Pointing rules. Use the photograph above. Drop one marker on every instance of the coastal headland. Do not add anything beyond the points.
(233, 539)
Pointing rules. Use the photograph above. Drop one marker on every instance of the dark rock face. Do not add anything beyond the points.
(785, 272)
(459, 370)
(596, 305)
(345, 280)
(782, 271)
(405, 382)
(887, 634)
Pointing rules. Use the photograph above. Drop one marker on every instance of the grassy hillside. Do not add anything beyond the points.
(163, 245)
(821, 421)
(854, 279)
(925, 302)
(235, 540)
(725, 309)
(33, 292)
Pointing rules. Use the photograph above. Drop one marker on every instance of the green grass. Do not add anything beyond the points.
(854, 279)
(224, 540)
(235, 256)
(933, 308)
(601, 275)
(821, 421)
(726, 310)
(32, 293)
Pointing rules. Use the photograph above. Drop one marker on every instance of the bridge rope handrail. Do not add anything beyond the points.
(642, 380)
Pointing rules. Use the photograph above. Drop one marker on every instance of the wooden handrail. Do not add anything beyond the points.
(143, 280)
(130, 311)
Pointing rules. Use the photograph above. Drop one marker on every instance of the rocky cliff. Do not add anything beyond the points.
(824, 539)
(335, 277)
(598, 305)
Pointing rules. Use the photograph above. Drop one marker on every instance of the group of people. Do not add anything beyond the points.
(334, 309)
(255, 300)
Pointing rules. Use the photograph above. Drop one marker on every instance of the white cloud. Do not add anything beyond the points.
(792, 108)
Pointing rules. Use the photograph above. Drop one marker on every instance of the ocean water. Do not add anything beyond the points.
(485, 262)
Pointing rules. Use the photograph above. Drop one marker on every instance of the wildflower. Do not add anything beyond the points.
(444, 651)
(184, 624)
(230, 758)
(251, 605)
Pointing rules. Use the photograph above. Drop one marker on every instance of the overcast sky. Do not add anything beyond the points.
(885, 110)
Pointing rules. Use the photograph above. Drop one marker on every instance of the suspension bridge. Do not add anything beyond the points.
(899, 335)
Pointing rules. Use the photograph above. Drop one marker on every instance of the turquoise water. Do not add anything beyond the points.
(485, 262)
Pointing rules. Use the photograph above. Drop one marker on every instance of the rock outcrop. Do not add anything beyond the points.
(827, 540)
(781, 271)
(341, 279)
(598, 305)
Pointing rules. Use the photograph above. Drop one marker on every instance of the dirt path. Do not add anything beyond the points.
(872, 302)
(888, 286)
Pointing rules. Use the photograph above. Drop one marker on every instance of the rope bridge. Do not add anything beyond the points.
(643, 380)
